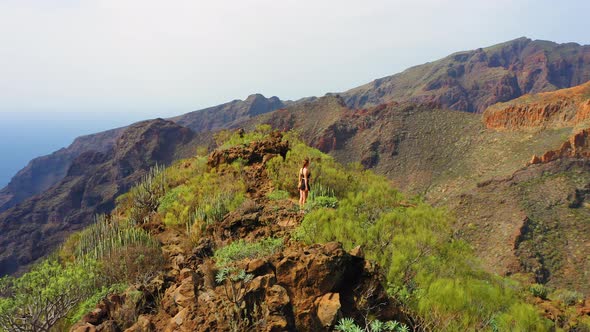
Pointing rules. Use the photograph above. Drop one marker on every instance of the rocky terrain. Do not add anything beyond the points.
(94, 179)
(473, 80)
(516, 177)
(43, 172)
(298, 288)
(562, 108)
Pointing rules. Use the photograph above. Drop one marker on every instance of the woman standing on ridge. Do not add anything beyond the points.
(303, 185)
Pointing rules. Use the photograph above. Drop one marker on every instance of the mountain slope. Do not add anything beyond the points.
(473, 80)
(454, 159)
(37, 225)
(44, 172)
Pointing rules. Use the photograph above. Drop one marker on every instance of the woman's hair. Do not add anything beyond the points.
(305, 162)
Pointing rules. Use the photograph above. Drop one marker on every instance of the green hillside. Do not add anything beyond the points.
(217, 243)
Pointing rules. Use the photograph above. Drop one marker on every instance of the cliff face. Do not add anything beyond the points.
(473, 80)
(561, 108)
(43, 172)
(37, 225)
(224, 115)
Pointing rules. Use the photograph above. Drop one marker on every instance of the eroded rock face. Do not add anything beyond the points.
(256, 152)
(39, 224)
(473, 80)
(577, 146)
(562, 108)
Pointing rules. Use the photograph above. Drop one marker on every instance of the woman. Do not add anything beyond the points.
(304, 183)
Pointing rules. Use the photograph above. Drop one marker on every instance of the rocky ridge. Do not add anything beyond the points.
(299, 288)
(557, 109)
(473, 80)
(33, 228)
(44, 172)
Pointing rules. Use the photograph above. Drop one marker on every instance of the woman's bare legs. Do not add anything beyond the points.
(302, 199)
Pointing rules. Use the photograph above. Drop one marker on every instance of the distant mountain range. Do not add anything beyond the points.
(423, 128)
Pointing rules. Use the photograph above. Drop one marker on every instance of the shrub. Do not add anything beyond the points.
(240, 249)
(90, 303)
(539, 291)
(226, 139)
(40, 298)
(348, 325)
(434, 276)
(568, 297)
(325, 170)
(106, 236)
(522, 317)
(276, 195)
(145, 196)
(125, 253)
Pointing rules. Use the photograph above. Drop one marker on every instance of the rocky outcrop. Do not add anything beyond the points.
(577, 146)
(256, 152)
(224, 115)
(473, 80)
(298, 288)
(562, 108)
(94, 179)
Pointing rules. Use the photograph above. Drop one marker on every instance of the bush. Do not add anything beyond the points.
(325, 170)
(522, 317)
(434, 276)
(569, 298)
(107, 236)
(124, 252)
(240, 249)
(539, 291)
(40, 298)
(145, 197)
(226, 139)
(276, 195)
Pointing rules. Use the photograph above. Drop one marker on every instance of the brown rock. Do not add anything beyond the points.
(83, 328)
(184, 295)
(108, 326)
(357, 252)
(257, 266)
(143, 324)
(277, 298)
(328, 309)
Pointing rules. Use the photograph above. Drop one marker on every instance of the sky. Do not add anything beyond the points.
(73, 67)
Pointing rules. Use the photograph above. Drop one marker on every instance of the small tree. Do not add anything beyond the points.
(40, 298)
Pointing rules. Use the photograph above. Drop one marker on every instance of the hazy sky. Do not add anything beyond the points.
(136, 59)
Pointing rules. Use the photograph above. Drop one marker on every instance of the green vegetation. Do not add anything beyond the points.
(539, 290)
(90, 303)
(348, 325)
(226, 138)
(40, 298)
(276, 195)
(433, 276)
(325, 170)
(241, 249)
(146, 195)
